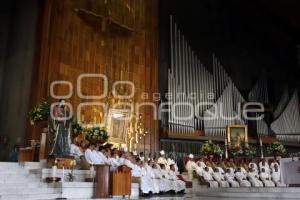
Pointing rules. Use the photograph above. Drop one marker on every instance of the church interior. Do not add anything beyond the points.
(150, 99)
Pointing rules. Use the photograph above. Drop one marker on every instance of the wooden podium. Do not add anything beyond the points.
(103, 185)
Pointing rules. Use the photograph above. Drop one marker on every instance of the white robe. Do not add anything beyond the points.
(147, 183)
(266, 179)
(276, 179)
(93, 157)
(220, 179)
(241, 177)
(114, 163)
(162, 183)
(208, 177)
(179, 185)
(230, 179)
(166, 177)
(254, 164)
(201, 164)
(76, 152)
(191, 166)
(254, 179)
(266, 166)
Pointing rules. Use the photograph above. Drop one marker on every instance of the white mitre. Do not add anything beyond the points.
(191, 156)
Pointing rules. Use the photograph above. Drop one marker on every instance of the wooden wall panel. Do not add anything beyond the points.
(72, 45)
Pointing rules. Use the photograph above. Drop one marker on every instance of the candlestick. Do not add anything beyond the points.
(63, 174)
(260, 141)
(54, 170)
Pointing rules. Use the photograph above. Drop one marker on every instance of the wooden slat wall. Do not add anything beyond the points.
(71, 46)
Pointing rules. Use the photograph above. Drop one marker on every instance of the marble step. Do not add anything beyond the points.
(28, 191)
(30, 197)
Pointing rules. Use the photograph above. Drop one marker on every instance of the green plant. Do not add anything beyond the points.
(76, 128)
(276, 148)
(210, 148)
(40, 112)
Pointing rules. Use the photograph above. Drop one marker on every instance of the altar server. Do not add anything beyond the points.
(208, 177)
(230, 178)
(219, 177)
(254, 178)
(266, 178)
(242, 179)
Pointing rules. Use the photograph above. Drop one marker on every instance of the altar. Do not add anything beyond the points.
(290, 172)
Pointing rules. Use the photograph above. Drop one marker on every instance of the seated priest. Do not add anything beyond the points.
(273, 163)
(254, 178)
(276, 178)
(219, 177)
(76, 152)
(179, 185)
(263, 164)
(162, 159)
(230, 178)
(147, 183)
(201, 163)
(165, 175)
(191, 166)
(266, 178)
(161, 183)
(242, 179)
(208, 177)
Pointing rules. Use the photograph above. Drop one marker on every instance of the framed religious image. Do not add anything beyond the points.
(118, 123)
(237, 135)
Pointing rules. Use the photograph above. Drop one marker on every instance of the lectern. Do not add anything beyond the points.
(103, 188)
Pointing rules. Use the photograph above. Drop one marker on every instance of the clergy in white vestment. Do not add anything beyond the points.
(266, 178)
(113, 161)
(147, 183)
(179, 184)
(230, 178)
(272, 165)
(264, 164)
(92, 156)
(242, 179)
(208, 177)
(253, 165)
(162, 159)
(254, 178)
(275, 176)
(165, 175)
(191, 166)
(160, 182)
(76, 152)
(219, 177)
(201, 163)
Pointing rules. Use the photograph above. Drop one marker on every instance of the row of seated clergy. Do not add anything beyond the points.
(152, 179)
(236, 176)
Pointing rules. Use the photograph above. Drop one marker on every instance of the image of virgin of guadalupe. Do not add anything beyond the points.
(60, 131)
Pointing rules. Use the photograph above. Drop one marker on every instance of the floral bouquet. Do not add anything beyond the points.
(97, 135)
(40, 112)
(236, 150)
(276, 149)
(209, 148)
(77, 128)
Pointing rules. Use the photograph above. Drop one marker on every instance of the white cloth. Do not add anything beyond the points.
(201, 164)
(114, 163)
(166, 177)
(191, 165)
(231, 180)
(220, 179)
(254, 179)
(254, 164)
(266, 166)
(164, 161)
(266, 179)
(75, 151)
(208, 177)
(147, 183)
(241, 177)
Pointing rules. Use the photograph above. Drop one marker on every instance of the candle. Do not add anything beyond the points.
(92, 169)
(225, 141)
(54, 170)
(63, 174)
